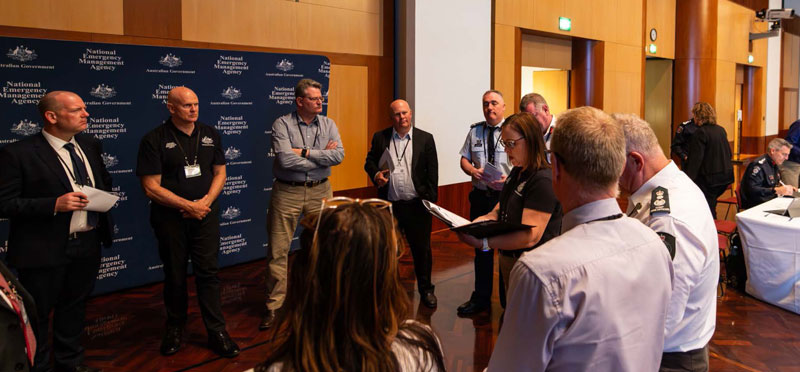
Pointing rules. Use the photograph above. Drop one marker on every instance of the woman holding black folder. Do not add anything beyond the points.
(527, 196)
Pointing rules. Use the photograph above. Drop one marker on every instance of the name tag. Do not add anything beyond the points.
(192, 171)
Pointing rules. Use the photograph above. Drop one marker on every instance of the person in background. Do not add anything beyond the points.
(761, 180)
(357, 318)
(709, 163)
(527, 196)
(666, 200)
(793, 137)
(535, 104)
(413, 178)
(306, 144)
(680, 143)
(483, 147)
(53, 242)
(595, 297)
(17, 324)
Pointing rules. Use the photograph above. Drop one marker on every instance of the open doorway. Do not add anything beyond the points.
(658, 100)
(552, 84)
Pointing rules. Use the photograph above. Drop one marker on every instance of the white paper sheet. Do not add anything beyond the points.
(450, 218)
(491, 173)
(99, 200)
(386, 161)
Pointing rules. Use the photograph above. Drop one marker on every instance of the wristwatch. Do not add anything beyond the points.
(304, 153)
(486, 245)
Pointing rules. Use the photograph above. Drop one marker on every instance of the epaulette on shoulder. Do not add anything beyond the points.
(477, 124)
(659, 201)
(761, 161)
(686, 122)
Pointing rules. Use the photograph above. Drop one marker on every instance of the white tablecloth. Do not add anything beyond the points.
(771, 246)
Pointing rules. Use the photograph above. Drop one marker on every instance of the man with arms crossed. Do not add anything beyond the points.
(306, 146)
(482, 147)
(415, 177)
(666, 200)
(53, 242)
(594, 298)
(182, 170)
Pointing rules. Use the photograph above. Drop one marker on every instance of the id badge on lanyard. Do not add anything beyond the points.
(192, 171)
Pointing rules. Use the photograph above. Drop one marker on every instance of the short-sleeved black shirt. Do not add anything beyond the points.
(532, 189)
(162, 152)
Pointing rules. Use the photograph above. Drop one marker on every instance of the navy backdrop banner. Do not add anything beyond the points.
(125, 89)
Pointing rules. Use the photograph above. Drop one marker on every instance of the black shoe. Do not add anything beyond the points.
(220, 342)
(268, 320)
(172, 340)
(472, 307)
(428, 299)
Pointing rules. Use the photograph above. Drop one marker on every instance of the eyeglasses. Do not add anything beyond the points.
(316, 99)
(338, 201)
(510, 143)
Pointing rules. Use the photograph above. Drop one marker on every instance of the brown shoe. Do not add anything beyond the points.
(268, 320)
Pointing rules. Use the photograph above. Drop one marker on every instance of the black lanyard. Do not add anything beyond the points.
(486, 140)
(196, 147)
(302, 137)
(72, 173)
(398, 156)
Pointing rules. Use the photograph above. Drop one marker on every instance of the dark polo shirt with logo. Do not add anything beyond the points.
(165, 151)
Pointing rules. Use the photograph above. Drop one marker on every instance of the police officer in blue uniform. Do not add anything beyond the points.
(482, 147)
(680, 144)
(761, 180)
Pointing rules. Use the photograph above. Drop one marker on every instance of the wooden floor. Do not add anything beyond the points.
(124, 329)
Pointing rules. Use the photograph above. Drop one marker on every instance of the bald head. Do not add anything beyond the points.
(183, 106)
(64, 114)
(51, 101)
(401, 116)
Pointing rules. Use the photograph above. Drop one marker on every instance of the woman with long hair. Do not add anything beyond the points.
(527, 196)
(346, 309)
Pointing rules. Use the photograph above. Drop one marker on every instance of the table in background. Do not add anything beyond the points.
(771, 245)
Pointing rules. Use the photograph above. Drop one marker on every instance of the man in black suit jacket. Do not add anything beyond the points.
(415, 177)
(53, 242)
(13, 346)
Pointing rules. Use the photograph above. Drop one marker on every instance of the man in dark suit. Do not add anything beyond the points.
(17, 324)
(412, 177)
(53, 242)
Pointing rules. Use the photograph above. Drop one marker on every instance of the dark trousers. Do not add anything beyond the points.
(712, 193)
(178, 240)
(63, 290)
(481, 203)
(415, 223)
(689, 361)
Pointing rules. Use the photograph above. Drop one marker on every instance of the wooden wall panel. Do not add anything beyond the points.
(547, 52)
(153, 18)
(102, 16)
(515, 13)
(753, 103)
(724, 104)
(284, 24)
(504, 61)
(347, 106)
(629, 22)
(661, 16)
(622, 79)
(789, 114)
(658, 100)
(586, 82)
(368, 6)
(791, 56)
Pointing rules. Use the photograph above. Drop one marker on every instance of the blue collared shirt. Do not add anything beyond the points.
(401, 150)
(290, 132)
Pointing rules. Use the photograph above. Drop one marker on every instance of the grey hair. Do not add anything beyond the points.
(777, 143)
(639, 136)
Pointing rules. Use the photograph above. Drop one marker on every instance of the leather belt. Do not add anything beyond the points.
(80, 235)
(303, 183)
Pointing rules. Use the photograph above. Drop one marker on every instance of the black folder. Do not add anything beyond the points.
(486, 229)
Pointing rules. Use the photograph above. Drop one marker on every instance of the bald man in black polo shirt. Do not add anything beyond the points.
(182, 170)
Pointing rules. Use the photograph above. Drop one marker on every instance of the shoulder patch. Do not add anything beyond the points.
(659, 200)
(669, 242)
(680, 128)
(755, 170)
(477, 124)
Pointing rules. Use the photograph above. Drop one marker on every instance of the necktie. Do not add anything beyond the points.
(491, 144)
(19, 308)
(81, 178)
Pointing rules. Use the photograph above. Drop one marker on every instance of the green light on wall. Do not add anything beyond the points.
(653, 49)
(564, 24)
(750, 58)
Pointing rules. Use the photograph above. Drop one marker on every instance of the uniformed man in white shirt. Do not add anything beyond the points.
(483, 147)
(595, 297)
(666, 200)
